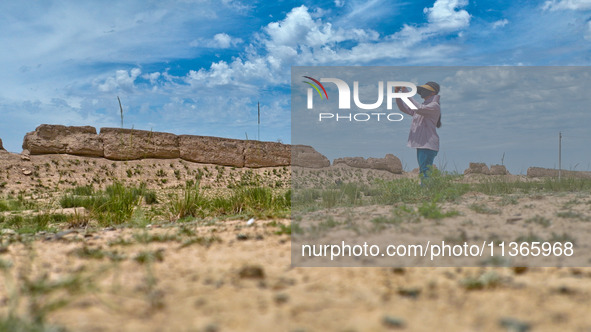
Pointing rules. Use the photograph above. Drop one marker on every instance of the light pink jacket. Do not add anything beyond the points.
(423, 129)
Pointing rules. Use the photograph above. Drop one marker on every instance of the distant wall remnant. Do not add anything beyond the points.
(389, 163)
(212, 150)
(306, 156)
(51, 139)
(498, 170)
(481, 168)
(539, 172)
(133, 144)
(477, 168)
(266, 154)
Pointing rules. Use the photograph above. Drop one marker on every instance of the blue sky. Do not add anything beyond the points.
(199, 67)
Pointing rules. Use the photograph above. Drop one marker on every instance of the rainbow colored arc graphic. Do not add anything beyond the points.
(316, 87)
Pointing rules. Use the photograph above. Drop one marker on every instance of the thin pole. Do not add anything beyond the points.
(259, 121)
(121, 109)
(559, 155)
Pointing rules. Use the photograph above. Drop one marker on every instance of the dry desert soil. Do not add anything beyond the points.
(217, 272)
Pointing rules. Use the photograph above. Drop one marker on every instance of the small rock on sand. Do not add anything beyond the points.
(251, 272)
(393, 322)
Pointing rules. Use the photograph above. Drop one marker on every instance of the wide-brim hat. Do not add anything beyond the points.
(430, 86)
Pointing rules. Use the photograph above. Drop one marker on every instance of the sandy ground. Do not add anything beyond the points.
(217, 275)
(480, 220)
(249, 285)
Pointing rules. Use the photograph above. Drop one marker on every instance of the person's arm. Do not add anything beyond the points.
(402, 106)
(427, 110)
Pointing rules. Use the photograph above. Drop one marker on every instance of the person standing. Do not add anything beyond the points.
(423, 129)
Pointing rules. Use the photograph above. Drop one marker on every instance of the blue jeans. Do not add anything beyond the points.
(425, 158)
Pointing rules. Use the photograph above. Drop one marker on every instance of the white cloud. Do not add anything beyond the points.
(123, 80)
(567, 4)
(443, 16)
(153, 77)
(238, 6)
(296, 40)
(299, 29)
(220, 40)
(299, 39)
(588, 33)
(500, 23)
(224, 40)
(339, 3)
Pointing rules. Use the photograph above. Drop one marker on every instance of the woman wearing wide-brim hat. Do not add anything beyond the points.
(423, 129)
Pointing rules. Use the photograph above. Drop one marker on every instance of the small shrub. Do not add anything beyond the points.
(431, 210)
(562, 238)
(87, 190)
(530, 237)
(146, 257)
(188, 203)
(488, 279)
(542, 221)
(150, 197)
(483, 209)
(330, 198)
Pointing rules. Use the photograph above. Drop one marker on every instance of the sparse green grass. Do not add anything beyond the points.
(87, 252)
(330, 198)
(562, 238)
(31, 223)
(400, 214)
(286, 229)
(150, 197)
(205, 241)
(483, 209)
(148, 237)
(530, 237)
(147, 257)
(188, 203)
(573, 215)
(489, 279)
(384, 220)
(77, 220)
(17, 204)
(9, 205)
(120, 242)
(115, 205)
(18, 324)
(88, 202)
(325, 225)
(119, 205)
(87, 190)
(539, 220)
(431, 210)
(440, 186)
(508, 200)
(460, 238)
(259, 202)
